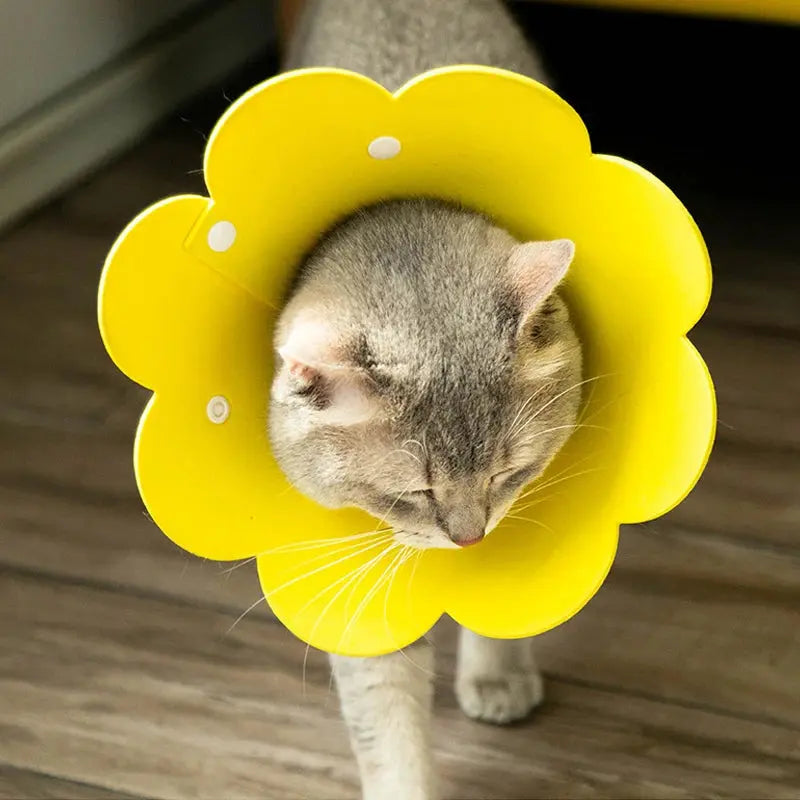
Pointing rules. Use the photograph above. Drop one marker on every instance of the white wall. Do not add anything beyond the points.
(46, 45)
(81, 80)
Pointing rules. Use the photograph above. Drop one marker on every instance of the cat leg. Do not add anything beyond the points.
(386, 703)
(497, 679)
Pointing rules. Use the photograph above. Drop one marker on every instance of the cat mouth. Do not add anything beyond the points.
(424, 541)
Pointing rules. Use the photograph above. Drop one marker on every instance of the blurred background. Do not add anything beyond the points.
(123, 669)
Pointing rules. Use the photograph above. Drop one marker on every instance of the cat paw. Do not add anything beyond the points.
(500, 699)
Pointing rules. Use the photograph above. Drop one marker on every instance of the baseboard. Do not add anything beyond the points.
(61, 141)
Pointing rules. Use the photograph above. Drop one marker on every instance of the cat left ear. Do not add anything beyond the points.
(314, 373)
(536, 269)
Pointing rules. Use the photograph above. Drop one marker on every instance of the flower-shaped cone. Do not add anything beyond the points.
(192, 319)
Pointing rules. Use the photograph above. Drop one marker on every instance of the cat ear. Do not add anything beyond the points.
(314, 373)
(536, 269)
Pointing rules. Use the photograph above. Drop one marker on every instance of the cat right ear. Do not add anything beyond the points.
(314, 373)
(536, 269)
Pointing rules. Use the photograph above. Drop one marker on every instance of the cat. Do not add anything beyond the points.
(427, 370)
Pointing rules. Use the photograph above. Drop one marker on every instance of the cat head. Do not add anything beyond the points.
(427, 370)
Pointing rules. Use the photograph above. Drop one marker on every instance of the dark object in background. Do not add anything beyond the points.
(695, 100)
(706, 104)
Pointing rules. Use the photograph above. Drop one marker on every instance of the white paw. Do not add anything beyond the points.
(502, 698)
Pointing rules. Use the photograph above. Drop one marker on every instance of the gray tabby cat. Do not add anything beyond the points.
(428, 370)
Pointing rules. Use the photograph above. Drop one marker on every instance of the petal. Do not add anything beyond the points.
(551, 554)
(641, 279)
(524, 580)
(641, 254)
(284, 189)
(215, 489)
(469, 134)
(148, 288)
(362, 599)
(668, 432)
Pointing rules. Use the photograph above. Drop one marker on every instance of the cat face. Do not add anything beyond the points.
(428, 370)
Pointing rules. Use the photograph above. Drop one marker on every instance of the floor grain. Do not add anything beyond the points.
(167, 699)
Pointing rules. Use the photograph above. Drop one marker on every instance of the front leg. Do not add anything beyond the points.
(386, 703)
(497, 679)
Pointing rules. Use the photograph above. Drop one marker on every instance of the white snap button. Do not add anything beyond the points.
(384, 147)
(221, 235)
(218, 409)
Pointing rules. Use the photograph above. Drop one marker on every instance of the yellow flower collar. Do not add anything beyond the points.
(191, 290)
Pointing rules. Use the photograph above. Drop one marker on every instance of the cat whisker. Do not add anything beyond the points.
(527, 506)
(396, 501)
(366, 599)
(572, 388)
(313, 544)
(347, 579)
(511, 428)
(531, 521)
(307, 544)
(539, 487)
(356, 579)
(555, 481)
(405, 557)
(535, 502)
(245, 613)
(410, 455)
(418, 552)
(401, 451)
(522, 424)
(393, 546)
(325, 566)
(576, 425)
(598, 411)
(395, 452)
(570, 477)
(354, 585)
(535, 486)
(344, 578)
(418, 443)
(572, 426)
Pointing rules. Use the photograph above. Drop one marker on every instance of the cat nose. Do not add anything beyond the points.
(467, 538)
(465, 523)
(466, 532)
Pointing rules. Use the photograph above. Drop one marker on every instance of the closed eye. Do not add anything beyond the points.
(402, 502)
(411, 493)
(511, 479)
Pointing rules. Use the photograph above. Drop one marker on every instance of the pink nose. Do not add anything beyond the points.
(467, 540)
(465, 524)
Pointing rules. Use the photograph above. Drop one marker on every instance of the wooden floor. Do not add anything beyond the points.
(119, 676)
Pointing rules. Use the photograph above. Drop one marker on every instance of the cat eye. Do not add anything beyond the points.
(510, 479)
(416, 495)
(402, 502)
(498, 478)
(397, 506)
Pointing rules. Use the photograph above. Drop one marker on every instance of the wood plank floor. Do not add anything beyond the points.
(120, 678)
